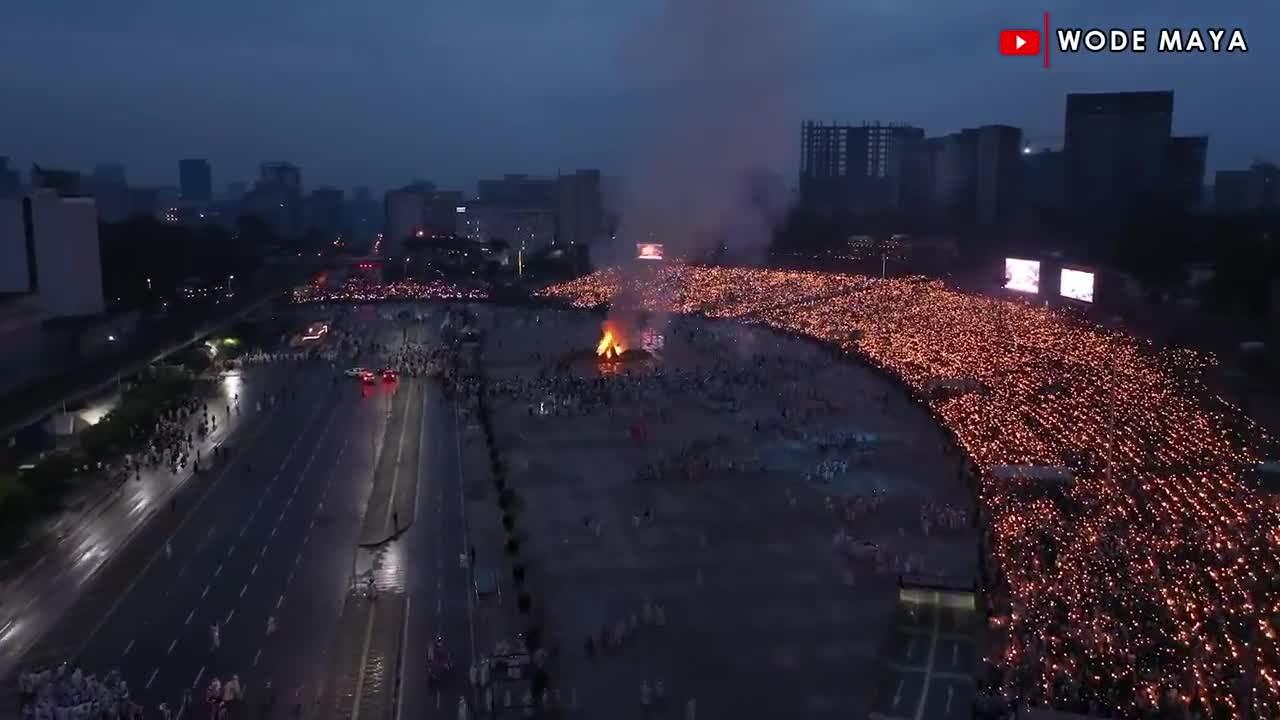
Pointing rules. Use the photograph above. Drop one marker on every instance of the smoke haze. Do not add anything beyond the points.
(723, 74)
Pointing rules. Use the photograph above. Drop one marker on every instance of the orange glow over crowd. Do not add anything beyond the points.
(1145, 586)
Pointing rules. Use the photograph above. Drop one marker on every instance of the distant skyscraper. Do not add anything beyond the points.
(1184, 172)
(10, 180)
(1247, 191)
(519, 191)
(63, 182)
(1044, 176)
(406, 211)
(195, 179)
(866, 168)
(326, 213)
(1116, 150)
(277, 198)
(580, 215)
(977, 174)
(68, 268)
(109, 171)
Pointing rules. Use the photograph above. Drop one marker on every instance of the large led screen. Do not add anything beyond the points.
(1022, 275)
(649, 251)
(1076, 285)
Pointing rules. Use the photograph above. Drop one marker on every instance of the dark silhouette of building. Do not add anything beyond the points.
(1121, 159)
(326, 213)
(1247, 191)
(195, 178)
(977, 174)
(1044, 176)
(519, 191)
(10, 180)
(580, 215)
(64, 182)
(110, 191)
(277, 198)
(863, 169)
(109, 171)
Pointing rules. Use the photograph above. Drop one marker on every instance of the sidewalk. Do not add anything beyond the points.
(67, 550)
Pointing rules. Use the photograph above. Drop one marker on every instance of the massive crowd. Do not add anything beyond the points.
(361, 291)
(64, 692)
(1146, 585)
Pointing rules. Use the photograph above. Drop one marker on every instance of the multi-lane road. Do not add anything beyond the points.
(273, 536)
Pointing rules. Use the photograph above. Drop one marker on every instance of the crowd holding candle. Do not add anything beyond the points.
(1144, 587)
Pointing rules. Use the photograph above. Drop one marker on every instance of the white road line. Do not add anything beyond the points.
(306, 537)
(218, 571)
(263, 551)
(189, 616)
(297, 558)
(128, 647)
(198, 676)
(242, 529)
(254, 570)
(255, 657)
(171, 646)
(273, 531)
(229, 616)
(152, 678)
(928, 667)
(289, 579)
(231, 550)
(204, 592)
(243, 590)
(279, 602)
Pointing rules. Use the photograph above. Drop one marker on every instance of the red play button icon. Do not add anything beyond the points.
(1019, 42)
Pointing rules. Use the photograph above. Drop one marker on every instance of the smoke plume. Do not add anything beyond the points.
(723, 74)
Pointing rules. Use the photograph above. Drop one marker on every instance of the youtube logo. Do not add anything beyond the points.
(1019, 42)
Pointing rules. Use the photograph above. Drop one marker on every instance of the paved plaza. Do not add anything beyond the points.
(741, 506)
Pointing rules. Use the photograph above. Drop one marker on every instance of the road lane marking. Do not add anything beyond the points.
(364, 661)
(297, 558)
(279, 601)
(229, 616)
(189, 616)
(242, 529)
(128, 647)
(152, 678)
(254, 570)
(243, 590)
(230, 550)
(198, 676)
(171, 646)
(263, 551)
(305, 538)
(255, 657)
(218, 571)
(204, 592)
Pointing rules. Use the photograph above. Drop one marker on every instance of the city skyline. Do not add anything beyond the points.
(458, 93)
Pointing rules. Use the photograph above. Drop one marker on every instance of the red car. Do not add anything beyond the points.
(389, 376)
(367, 377)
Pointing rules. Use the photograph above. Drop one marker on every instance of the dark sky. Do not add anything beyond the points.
(383, 91)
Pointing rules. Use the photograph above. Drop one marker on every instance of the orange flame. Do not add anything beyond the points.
(610, 346)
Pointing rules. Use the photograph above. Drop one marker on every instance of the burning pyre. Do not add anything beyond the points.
(611, 345)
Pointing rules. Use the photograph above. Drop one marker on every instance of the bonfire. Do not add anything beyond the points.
(610, 346)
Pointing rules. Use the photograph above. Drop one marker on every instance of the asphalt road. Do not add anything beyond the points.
(274, 536)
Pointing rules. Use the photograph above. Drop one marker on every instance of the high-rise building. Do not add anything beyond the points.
(1184, 172)
(10, 180)
(277, 198)
(63, 235)
(406, 217)
(1116, 151)
(1044, 179)
(518, 191)
(868, 168)
(326, 212)
(109, 171)
(977, 174)
(63, 182)
(1247, 191)
(195, 178)
(363, 216)
(580, 215)
(15, 252)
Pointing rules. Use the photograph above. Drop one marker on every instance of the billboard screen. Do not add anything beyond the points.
(648, 251)
(1076, 285)
(1022, 275)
